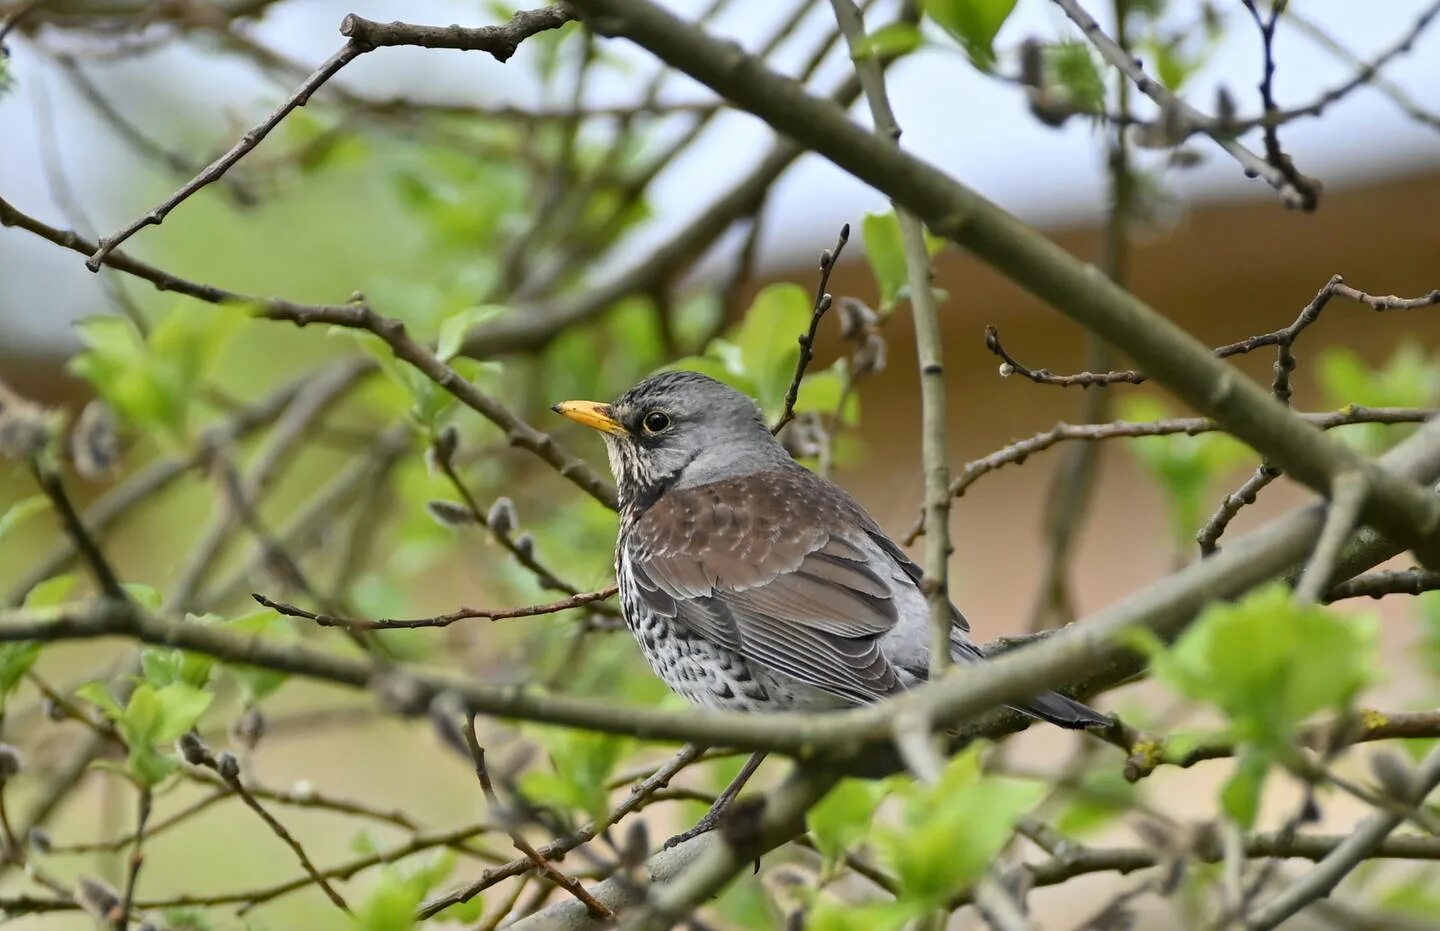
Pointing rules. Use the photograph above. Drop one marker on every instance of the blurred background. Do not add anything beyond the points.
(441, 184)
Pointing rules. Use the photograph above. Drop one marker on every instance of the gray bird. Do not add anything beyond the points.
(750, 582)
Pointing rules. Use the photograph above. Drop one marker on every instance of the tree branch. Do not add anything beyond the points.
(821, 306)
(1401, 509)
(1068, 656)
(929, 355)
(442, 620)
(1346, 855)
(364, 36)
(1304, 195)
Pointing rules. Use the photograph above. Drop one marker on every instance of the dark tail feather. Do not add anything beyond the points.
(1062, 711)
(1047, 706)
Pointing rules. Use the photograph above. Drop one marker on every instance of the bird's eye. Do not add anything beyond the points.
(655, 421)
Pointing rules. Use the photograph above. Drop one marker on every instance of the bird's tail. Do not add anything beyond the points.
(1062, 711)
(1047, 706)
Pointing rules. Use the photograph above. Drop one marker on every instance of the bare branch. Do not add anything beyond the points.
(1208, 536)
(828, 258)
(498, 41)
(1021, 450)
(364, 36)
(543, 866)
(1305, 195)
(1145, 754)
(442, 620)
(1346, 500)
(1339, 862)
(1379, 584)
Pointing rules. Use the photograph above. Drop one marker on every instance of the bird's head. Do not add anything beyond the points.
(678, 429)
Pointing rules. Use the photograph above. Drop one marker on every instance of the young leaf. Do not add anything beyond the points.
(148, 596)
(886, 254)
(1240, 796)
(842, 818)
(453, 330)
(15, 660)
(951, 832)
(1268, 663)
(974, 24)
(20, 510)
(49, 593)
(180, 707)
(767, 338)
(890, 41)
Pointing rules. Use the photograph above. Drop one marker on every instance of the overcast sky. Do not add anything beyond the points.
(972, 126)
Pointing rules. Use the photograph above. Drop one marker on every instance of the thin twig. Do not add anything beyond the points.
(929, 351)
(231, 775)
(362, 36)
(1071, 495)
(1145, 754)
(1369, 835)
(1208, 536)
(1281, 338)
(1414, 581)
(1307, 188)
(822, 304)
(1305, 196)
(543, 866)
(1369, 72)
(54, 488)
(442, 620)
(658, 779)
(1346, 500)
(137, 859)
(1021, 450)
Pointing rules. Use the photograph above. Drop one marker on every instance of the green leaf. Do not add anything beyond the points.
(1268, 663)
(832, 915)
(767, 340)
(1408, 378)
(141, 719)
(49, 593)
(98, 694)
(1240, 796)
(147, 596)
(20, 510)
(181, 706)
(149, 767)
(453, 330)
(886, 253)
(166, 667)
(392, 903)
(1186, 467)
(1100, 798)
(15, 660)
(257, 682)
(974, 24)
(581, 762)
(152, 381)
(842, 818)
(951, 832)
(890, 41)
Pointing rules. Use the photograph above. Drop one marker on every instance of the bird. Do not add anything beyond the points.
(750, 582)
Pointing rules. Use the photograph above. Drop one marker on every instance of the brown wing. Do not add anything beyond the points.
(769, 567)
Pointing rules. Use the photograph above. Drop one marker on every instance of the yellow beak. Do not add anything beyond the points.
(593, 415)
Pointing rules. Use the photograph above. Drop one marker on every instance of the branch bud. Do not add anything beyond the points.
(502, 517)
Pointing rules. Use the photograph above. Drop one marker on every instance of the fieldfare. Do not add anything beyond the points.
(750, 582)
